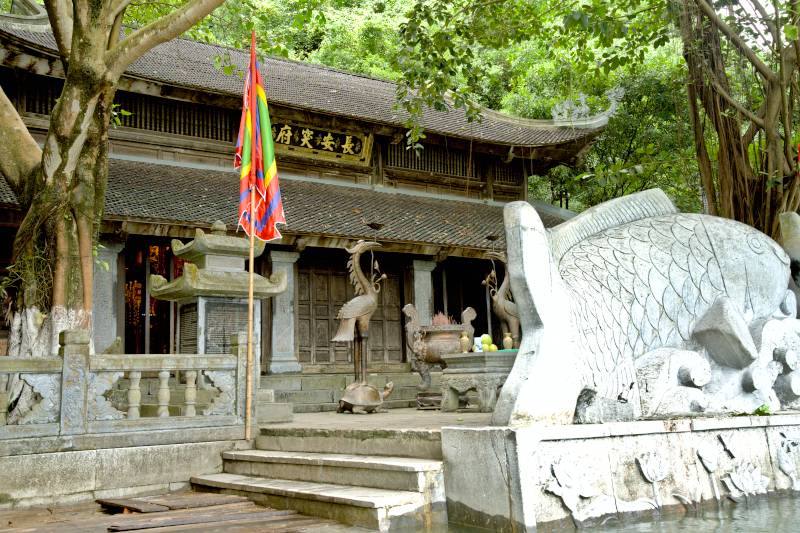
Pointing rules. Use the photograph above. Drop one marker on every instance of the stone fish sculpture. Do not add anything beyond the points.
(643, 311)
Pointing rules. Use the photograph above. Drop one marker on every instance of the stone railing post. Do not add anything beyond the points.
(239, 350)
(191, 393)
(163, 393)
(74, 350)
(134, 394)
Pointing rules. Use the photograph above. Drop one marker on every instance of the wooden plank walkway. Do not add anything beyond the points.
(183, 511)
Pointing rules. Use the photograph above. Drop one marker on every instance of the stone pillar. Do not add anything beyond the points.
(283, 357)
(423, 289)
(74, 350)
(104, 313)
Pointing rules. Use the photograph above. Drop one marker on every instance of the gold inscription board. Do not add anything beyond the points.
(316, 142)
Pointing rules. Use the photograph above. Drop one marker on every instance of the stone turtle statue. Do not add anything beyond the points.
(363, 398)
(632, 309)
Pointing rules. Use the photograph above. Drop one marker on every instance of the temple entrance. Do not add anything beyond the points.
(457, 284)
(149, 323)
(322, 287)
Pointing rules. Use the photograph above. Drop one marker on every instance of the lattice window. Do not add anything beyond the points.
(41, 94)
(506, 173)
(181, 118)
(432, 159)
(146, 112)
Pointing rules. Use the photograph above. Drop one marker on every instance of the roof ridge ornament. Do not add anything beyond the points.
(576, 112)
(26, 15)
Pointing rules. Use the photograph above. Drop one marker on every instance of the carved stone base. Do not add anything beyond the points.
(486, 385)
(429, 400)
(507, 478)
(484, 373)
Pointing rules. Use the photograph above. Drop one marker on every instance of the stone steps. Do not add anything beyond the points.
(369, 507)
(382, 472)
(376, 478)
(418, 443)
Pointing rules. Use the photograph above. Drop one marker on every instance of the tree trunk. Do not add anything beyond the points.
(61, 186)
(53, 250)
(752, 180)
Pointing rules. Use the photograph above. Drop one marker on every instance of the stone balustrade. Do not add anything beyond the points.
(83, 394)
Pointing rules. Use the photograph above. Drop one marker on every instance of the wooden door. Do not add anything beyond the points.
(386, 326)
(321, 291)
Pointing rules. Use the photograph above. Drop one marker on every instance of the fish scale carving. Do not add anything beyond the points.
(637, 287)
(631, 302)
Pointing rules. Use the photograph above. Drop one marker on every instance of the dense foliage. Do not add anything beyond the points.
(742, 60)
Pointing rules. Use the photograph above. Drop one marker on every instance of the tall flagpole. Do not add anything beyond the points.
(248, 420)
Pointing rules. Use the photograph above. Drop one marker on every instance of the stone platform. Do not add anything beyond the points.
(518, 479)
(314, 392)
(397, 432)
(393, 420)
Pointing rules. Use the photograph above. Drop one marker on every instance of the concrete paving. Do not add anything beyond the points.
(405, 419)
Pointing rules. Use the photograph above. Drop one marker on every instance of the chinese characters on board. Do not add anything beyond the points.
(316, 139)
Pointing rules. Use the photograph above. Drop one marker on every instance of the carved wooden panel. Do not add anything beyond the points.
(385, 342)
(303, 316)
(321, 292)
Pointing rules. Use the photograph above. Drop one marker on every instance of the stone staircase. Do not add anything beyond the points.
(375, 479)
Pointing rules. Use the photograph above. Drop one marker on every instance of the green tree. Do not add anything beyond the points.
(742, 76)
(61, 186)
(647, 143)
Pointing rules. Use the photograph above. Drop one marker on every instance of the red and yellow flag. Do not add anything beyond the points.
(255, 156)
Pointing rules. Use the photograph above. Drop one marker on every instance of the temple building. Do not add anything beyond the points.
(345, 174)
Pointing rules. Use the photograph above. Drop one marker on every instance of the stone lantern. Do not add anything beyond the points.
(212, 291)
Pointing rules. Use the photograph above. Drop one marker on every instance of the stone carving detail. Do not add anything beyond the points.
(99, 407)
(709, 458)
(730, 445)
(644, 306)
(48, 388)
(745, 480)
(583, 500)
(787, 459)
(224, 403)
(694, 496)
(486, 386)
(654, 469)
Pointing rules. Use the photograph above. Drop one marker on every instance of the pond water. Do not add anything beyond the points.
(773, 515)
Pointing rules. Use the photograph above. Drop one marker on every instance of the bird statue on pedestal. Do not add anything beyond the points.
(503, 304)
(355, 315)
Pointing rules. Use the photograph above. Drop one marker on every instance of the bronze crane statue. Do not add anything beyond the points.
(503, 304)
(355, 314)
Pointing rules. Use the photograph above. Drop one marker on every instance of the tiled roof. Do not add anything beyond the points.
(301, 85)
(192, 196)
